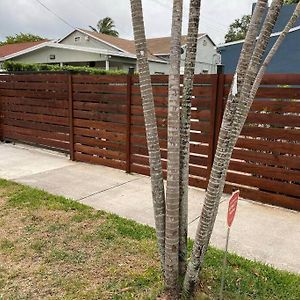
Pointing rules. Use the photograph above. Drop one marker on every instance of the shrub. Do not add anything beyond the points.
(12, 66)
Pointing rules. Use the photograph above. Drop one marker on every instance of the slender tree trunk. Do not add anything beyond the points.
(247, 99)
(253, 70)
(189, 70)
(246, 104)
(158, 193)
(217, 178)
(172, 199)
(274, 49)
(250, 49)
(241, 111)
(245, 89)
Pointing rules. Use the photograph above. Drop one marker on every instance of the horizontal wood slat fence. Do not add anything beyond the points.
(99, 119)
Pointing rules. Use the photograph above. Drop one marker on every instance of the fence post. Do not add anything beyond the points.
(71, 117)
(128, 120)
(219, 106)
(216, 114)
(2, 113)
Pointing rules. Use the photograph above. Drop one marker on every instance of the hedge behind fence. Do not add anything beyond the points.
(12, 66)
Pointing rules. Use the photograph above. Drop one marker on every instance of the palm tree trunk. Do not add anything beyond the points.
(246, 105)
(253, 70)
(247, 78)
(189, 70)
(217, 178)
(280, 39)
(158, 193)
(172, 199)
(243, 103)
(248, 81)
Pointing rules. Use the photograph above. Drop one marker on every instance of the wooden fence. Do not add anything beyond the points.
(99, 119)
(34, 109)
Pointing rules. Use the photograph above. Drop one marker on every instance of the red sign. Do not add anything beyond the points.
(233, 201)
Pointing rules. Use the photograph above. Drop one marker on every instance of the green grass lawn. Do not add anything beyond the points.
(54, 248)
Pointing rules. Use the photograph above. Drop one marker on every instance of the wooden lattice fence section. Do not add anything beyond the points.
(35, 110)
(266, 160)
(99, 119)
(202, 127)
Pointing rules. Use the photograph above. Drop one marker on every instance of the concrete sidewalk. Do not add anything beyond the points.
(260, 232)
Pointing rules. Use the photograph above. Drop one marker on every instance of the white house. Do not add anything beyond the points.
(207, 57)
(87, 48)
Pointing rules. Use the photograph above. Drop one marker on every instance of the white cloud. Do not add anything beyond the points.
(29, 16)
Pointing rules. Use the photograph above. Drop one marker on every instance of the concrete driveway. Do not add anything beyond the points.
(264, 233)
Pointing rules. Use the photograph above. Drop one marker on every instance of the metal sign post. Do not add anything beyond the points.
(233, 201)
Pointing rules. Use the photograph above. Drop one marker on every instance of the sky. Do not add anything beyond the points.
(29, 16)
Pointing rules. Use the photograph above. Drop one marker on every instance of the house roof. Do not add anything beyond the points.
(156, 46)
(116, 42)
(122, 44)
(242, 41)
(162, 45)
(91, 50)
(10, 49)
(52, 44)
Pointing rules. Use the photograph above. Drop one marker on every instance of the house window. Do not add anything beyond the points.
(204, 43)
(77, 39)
(52, 56)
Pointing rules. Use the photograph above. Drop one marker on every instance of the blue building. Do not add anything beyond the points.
(286, 60)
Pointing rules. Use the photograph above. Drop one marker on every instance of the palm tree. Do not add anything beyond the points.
(247, 79)
(234, 117)
(191, 276)
(158, 191)
(189, 69)
(106, 26)
(172, 193)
